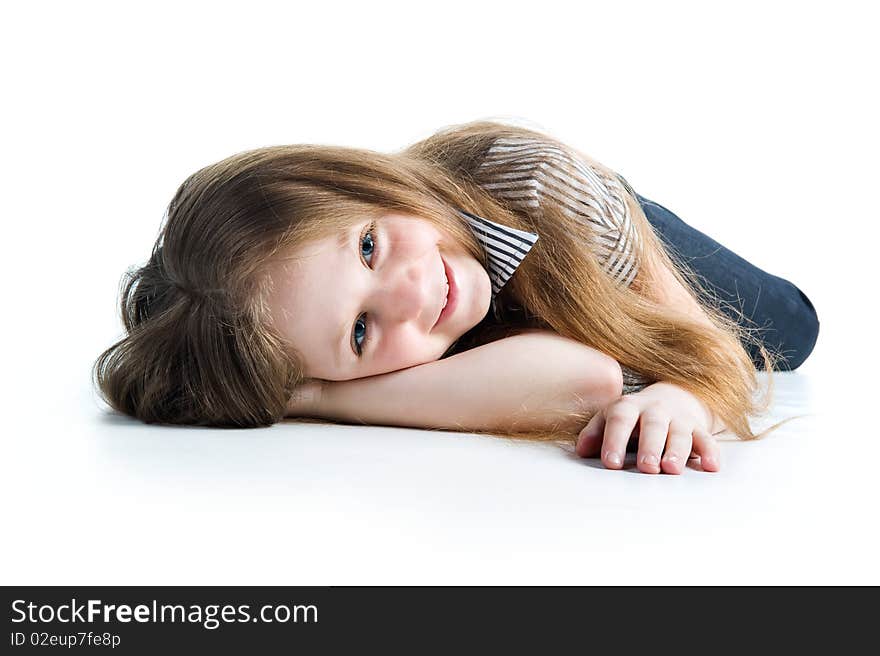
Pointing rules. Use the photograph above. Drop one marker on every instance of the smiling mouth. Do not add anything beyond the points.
(445, 294)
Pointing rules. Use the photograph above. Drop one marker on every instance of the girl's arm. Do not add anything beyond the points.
(534, 379)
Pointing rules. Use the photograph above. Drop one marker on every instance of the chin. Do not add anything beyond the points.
(477, 300)
(485, 296)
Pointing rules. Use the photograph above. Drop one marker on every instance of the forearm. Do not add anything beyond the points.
(528, 381)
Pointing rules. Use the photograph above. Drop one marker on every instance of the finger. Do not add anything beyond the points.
(621, 418)
(678, 448)
(589, 441)
(707, 448)
(653, 432)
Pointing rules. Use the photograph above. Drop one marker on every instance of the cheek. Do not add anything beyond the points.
(406, 347)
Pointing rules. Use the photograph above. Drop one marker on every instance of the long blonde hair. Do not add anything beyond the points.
(199, 348)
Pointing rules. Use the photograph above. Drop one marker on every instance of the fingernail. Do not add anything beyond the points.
(671, 458)
(650, 460)
(613, 458)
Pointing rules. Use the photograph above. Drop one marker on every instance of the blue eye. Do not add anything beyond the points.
(360, 326)
(360, 330)
(367, 238)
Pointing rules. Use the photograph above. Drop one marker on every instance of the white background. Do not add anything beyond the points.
(756, 123)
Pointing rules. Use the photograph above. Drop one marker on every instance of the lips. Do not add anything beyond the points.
(451, 296)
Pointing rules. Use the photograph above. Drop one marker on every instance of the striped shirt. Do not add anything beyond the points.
(529, 174)
(526, 174)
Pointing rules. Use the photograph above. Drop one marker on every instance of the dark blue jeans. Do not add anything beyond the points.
(785, 317)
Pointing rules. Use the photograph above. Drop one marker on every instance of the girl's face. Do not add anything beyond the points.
(368, 301)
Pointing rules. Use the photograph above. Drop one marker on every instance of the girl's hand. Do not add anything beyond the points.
(669, 421)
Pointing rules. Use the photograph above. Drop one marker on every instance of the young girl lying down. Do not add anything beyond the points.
(488, 279)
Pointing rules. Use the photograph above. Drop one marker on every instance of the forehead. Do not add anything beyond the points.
(306, 287)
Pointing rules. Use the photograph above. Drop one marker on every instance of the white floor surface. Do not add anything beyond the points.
(102, 499)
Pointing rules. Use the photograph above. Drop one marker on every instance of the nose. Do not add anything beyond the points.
(407, 292)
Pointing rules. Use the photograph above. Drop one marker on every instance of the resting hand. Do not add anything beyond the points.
(669, 421)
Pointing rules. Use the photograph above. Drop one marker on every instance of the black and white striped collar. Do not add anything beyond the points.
(506, 248)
